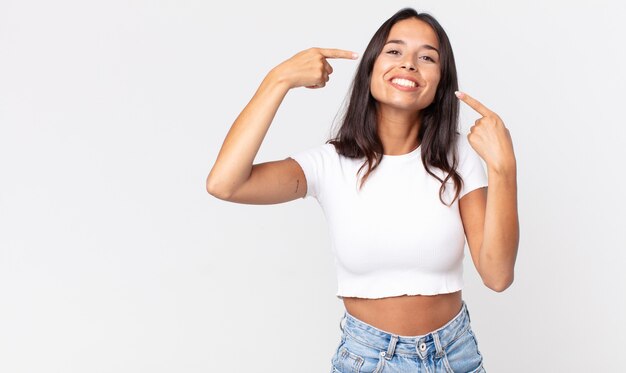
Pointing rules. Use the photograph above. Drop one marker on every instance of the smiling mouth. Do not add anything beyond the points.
(404, 82)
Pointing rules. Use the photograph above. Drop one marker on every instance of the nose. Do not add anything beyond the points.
(408, 65)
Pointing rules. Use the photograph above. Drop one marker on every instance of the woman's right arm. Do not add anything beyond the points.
(234, 177)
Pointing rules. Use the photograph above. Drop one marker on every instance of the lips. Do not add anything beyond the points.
(404, 83)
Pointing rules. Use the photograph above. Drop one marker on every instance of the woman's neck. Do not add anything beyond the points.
(398, 131)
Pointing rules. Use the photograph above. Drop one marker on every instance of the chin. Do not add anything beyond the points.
(413, 106)
(405, 107)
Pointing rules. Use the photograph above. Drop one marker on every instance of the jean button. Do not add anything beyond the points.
(423, 346)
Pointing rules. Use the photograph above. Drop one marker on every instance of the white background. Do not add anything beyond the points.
(114, 258)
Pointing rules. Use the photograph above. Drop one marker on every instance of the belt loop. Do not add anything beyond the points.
(392, 347)
(342, 320)
(467, 311)
(438, 347)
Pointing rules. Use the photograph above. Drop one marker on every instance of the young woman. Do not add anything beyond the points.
(401, 190)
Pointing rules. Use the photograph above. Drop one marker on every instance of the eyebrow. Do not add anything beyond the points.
(427, 46)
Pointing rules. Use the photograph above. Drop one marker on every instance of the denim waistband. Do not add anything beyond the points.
(433, 342)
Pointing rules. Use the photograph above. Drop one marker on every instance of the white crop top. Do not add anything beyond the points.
(394, 236)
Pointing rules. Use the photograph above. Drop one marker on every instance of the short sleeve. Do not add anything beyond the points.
(470, 167)
(314, 164)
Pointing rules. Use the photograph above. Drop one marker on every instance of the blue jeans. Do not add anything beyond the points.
(453, 348)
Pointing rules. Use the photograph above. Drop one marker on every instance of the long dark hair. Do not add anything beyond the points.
(357, 136)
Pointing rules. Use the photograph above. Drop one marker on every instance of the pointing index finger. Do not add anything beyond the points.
(473, 103)
(338, 53)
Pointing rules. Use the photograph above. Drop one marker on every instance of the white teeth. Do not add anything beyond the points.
(404, 82)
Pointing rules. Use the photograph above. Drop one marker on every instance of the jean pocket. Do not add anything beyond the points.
(462, 355)
(335, 357)
(355, 357)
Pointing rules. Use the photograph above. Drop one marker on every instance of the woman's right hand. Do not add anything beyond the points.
(309, 67)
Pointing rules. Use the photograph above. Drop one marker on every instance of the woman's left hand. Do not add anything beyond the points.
(490, 138)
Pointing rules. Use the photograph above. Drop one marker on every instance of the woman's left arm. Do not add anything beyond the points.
(498, 252)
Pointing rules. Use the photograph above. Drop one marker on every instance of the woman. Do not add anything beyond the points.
(401, 190)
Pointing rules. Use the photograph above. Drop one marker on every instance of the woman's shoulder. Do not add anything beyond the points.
(321, 154)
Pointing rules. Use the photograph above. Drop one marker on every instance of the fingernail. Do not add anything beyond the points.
(458, 94)
(355, 55)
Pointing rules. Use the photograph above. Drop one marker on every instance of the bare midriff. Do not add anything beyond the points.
(406, 315)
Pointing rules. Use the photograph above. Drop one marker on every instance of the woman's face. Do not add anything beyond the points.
(407, 70)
